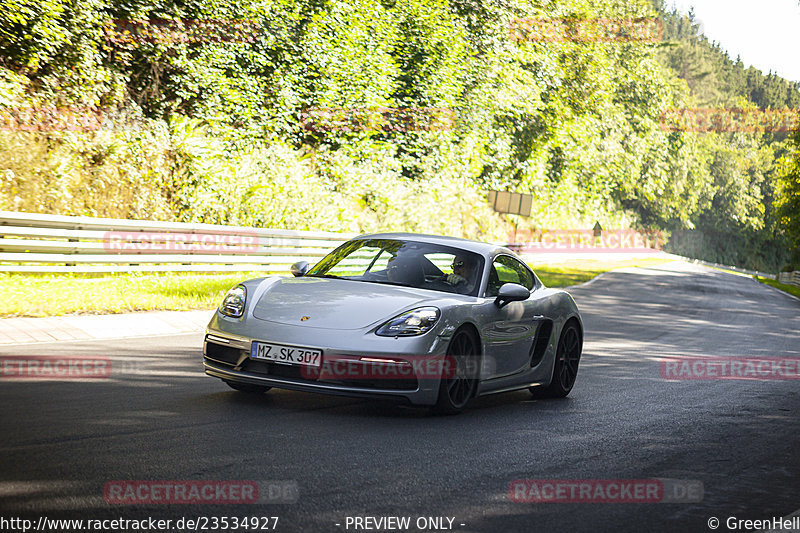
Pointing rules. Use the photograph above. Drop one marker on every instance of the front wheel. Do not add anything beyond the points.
(459, 383)
(568, 356)
(247, 387)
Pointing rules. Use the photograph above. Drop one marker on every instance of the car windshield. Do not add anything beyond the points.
(405, 263)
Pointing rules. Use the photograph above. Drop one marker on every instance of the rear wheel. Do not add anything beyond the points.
(458, 385)
(247, 387)
(568, 356)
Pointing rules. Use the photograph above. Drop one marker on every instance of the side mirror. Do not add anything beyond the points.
(511, 292)
(300, 268)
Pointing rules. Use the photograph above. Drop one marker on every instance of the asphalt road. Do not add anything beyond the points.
(159, 418)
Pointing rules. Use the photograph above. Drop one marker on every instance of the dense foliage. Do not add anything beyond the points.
(206, 107)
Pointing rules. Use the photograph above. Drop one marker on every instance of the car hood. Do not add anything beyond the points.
(334, 303)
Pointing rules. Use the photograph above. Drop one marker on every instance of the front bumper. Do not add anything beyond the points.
(387, 374)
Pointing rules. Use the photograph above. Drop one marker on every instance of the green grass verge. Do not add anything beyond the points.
(791, 289)
(582, 270)
(35, 295)
(59, 294)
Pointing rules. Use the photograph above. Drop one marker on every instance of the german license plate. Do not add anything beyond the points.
(286, 354)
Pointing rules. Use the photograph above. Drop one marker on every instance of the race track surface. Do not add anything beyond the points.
(158, 417)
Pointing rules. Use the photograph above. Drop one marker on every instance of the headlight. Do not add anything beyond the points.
(233, 303)
(410, 323)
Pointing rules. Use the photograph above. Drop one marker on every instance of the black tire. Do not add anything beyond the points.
(247, 387)
(565, 371)
(457, 389)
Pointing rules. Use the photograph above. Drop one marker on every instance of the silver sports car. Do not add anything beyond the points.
(433, 321)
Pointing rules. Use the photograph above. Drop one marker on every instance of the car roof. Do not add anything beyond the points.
(478, 247)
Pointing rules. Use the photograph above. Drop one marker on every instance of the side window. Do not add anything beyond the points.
(525, 276)
(506, 269)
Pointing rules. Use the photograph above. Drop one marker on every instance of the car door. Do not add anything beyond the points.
(509, 331)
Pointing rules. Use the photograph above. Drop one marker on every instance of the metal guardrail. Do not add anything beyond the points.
(791, 278)
(32, 242)
(544, 258)
(758, 273)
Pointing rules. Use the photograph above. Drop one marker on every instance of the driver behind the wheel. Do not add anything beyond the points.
(463, 276)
